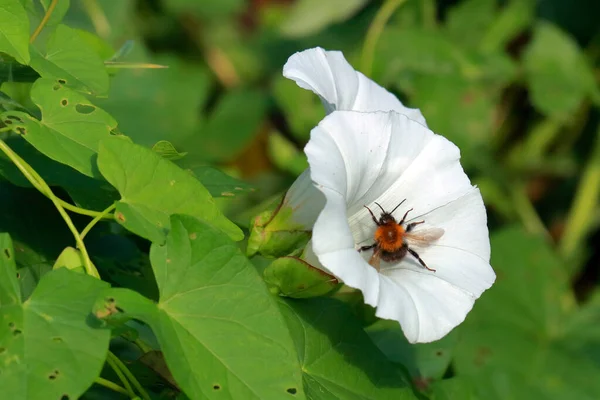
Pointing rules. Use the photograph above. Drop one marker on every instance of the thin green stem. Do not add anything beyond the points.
(129, 376)
(428, 9)
(381, 18)
(527, 212)
(44, 21)
(30, 174)
(36, 180)
(85, 211)
(541, 138)
(96, 219)
(144, 347)
(580, 218)
(112, 386)
(111, 361)
(97, 17)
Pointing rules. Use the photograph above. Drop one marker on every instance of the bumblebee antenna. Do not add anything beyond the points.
(391, 212)
(379, 205)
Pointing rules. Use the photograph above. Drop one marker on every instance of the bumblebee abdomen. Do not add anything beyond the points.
(390, 237)
(392, 256)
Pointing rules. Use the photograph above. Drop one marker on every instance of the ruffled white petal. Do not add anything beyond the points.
(340, 87)
(348, 154)
(427, 307)
(464, 221)
(359, 158)
(433, 179)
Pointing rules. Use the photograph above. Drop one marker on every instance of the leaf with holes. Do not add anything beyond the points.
(70, 129)
(70, 60)
(219, 329)
(49, 349)
(530, 312)
(338, 359)
(14, 30)
(153, 188)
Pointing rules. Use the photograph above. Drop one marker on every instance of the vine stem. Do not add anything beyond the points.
(68, 206)
(374, 32)
(144, 347)
(84, 211)
(526, 211)
(580, 218)
(97, 17)
(96, 219)
(39, 183)
(110, 360)
(112, 386)
(44, 20)
(428, 8)
(129, 375)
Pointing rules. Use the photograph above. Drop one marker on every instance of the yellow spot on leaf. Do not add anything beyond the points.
(46, 317)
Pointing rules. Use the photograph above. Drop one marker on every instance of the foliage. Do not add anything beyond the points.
(138, 138)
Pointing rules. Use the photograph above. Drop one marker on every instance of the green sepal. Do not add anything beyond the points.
(275, 234)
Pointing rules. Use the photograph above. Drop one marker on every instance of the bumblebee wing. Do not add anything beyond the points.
(423, 237)
(375, 259)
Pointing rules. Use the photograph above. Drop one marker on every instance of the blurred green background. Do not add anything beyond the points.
(513, 83)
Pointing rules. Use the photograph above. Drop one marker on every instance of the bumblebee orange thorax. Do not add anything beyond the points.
(389, 237)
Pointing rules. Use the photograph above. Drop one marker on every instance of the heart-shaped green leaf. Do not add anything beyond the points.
(557, 72)
(338, 359)
(219, 328)
(153, 188)
(49, 349)
(424, 361)
(526, 338)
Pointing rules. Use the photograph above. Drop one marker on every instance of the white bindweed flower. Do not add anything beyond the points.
(360, 159)
(340, 87)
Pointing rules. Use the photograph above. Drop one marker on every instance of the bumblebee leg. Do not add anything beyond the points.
(415, 255)
(410, 226)
(372, 215)
(365, 248)
(405, 214)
